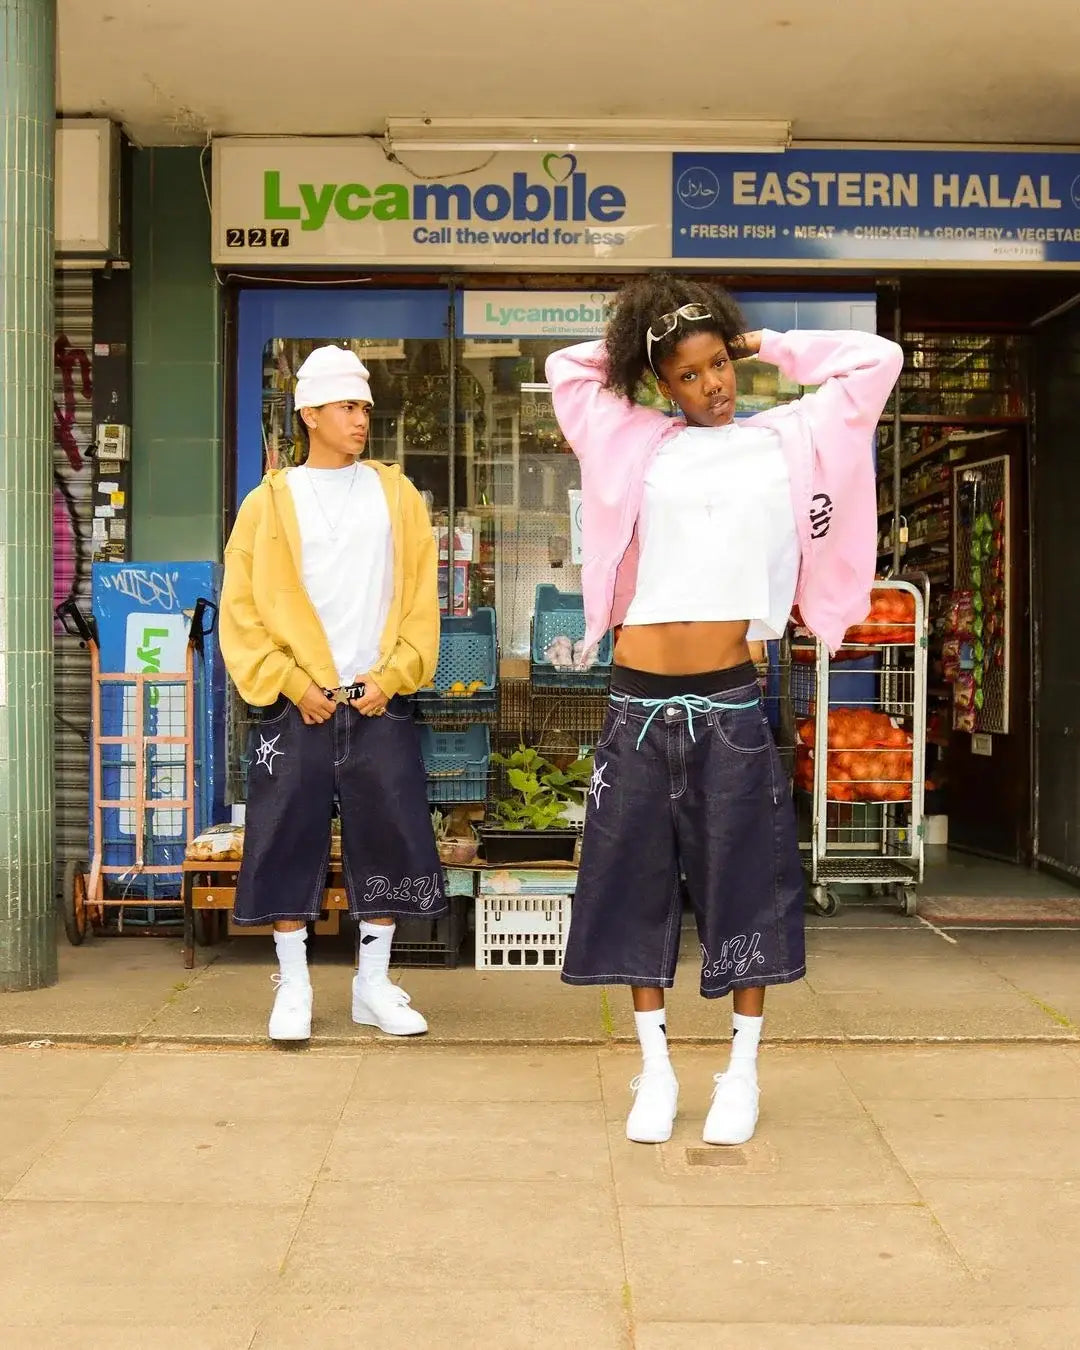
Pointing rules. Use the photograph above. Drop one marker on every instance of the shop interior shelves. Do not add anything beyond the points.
(559, 614)
(464, 685)
(938, 490)
(457, 763)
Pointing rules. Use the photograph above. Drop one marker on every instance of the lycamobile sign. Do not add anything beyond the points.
(564, 195)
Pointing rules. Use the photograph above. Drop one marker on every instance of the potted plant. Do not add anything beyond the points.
(534, 823)
(455, 839)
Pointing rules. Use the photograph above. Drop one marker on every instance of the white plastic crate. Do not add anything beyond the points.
(521, 932)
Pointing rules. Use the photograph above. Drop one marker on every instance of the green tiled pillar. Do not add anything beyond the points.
(27, 104)
(176, 374)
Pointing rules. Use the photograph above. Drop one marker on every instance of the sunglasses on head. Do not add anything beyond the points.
(666, 324)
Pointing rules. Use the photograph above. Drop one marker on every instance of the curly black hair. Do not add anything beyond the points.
(638, 306)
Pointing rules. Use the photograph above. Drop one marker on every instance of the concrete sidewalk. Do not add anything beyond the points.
(872, 976)
(410, 1195)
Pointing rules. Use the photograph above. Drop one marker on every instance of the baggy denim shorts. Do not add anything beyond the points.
(373, 767)
(703, 796)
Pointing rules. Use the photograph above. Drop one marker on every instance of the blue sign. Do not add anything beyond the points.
(859, 208)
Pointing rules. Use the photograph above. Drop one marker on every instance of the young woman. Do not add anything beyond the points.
(700, 533)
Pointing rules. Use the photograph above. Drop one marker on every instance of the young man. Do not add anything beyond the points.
(329, 620)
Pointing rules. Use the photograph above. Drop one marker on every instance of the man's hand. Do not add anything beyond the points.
(374, 702)
(315, 707)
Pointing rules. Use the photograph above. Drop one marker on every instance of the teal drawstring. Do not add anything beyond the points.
(693, 704)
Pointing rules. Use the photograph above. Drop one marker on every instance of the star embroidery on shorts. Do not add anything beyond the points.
(597, 784)
(268, 752)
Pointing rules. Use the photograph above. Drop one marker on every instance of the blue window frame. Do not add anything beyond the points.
(318, 312)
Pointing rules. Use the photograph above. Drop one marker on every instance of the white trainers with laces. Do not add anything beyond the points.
(383, 1004)
(733, 1115)
(290, 1019)
(656, 1104)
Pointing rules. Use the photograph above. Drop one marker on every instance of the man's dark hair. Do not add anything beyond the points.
(301, 439)
(641, 302)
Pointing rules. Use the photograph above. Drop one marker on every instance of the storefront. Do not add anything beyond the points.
(472, 277)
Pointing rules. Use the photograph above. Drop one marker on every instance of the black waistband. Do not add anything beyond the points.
(628, 683)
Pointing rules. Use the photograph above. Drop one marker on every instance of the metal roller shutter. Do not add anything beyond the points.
(72, 513)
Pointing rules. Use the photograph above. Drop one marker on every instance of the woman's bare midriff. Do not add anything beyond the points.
(683, 648)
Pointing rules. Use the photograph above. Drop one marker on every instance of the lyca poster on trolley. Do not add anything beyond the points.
(845, 207)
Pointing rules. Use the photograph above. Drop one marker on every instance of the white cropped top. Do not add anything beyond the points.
(717, 532)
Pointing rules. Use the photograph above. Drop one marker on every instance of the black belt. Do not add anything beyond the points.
(346, 694)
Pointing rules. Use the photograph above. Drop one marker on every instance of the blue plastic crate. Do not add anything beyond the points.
(456, 763)
(852, 684)
(562, 614)
(468, 654)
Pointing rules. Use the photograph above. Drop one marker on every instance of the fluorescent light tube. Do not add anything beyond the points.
(633, 135)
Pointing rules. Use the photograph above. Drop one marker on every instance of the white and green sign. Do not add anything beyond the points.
(339, 201)
(545, 314)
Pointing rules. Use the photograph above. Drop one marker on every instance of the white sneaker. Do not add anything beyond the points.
(733, 1115)
(383, 1004)
(290, 1019)
(656, 1103)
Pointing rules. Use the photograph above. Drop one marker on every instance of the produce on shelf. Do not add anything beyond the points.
(869, 757)
(217, 843)
(891, 620)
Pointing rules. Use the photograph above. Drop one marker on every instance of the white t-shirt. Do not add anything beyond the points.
(348, 559)
(717, 532)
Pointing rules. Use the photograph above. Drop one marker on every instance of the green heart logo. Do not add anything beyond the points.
(553, 163)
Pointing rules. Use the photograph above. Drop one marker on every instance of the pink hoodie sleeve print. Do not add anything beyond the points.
(856, 373)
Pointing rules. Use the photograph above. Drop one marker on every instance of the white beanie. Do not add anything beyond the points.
(332, 375)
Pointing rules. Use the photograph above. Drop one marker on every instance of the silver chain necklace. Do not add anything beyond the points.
(331, 528)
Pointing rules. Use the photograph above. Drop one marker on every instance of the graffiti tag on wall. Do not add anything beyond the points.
(71, 534)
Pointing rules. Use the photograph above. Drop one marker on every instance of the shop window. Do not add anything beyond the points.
(410, 384)
(515, 475)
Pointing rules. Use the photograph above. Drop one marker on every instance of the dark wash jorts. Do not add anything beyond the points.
(373, 766)
(714, 804)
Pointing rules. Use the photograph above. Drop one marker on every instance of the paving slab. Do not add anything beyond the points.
(799, 1336)
(1019, 1238)
(1006, 1140)
(110, 988)
(452, 1318)
(477, 1141)
(162, 1161)
(791, 1161)
(1046, 1329)
(53, 1071)
(211, 1333)
(549, 1235)
(899, 981)
(1003, 1014)
(960, 1072)
(893, 1198)
(262, 1088)
(424, 1072)
(852, 1263)
(147, 1263)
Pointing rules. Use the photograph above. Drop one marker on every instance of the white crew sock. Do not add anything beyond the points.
(744, 1046)
(376, 939)
(652, 1034)
(292, 955)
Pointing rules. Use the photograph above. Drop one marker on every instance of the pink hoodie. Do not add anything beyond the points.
(826, 439)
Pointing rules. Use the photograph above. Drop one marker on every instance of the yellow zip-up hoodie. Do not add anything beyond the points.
(272, 638)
